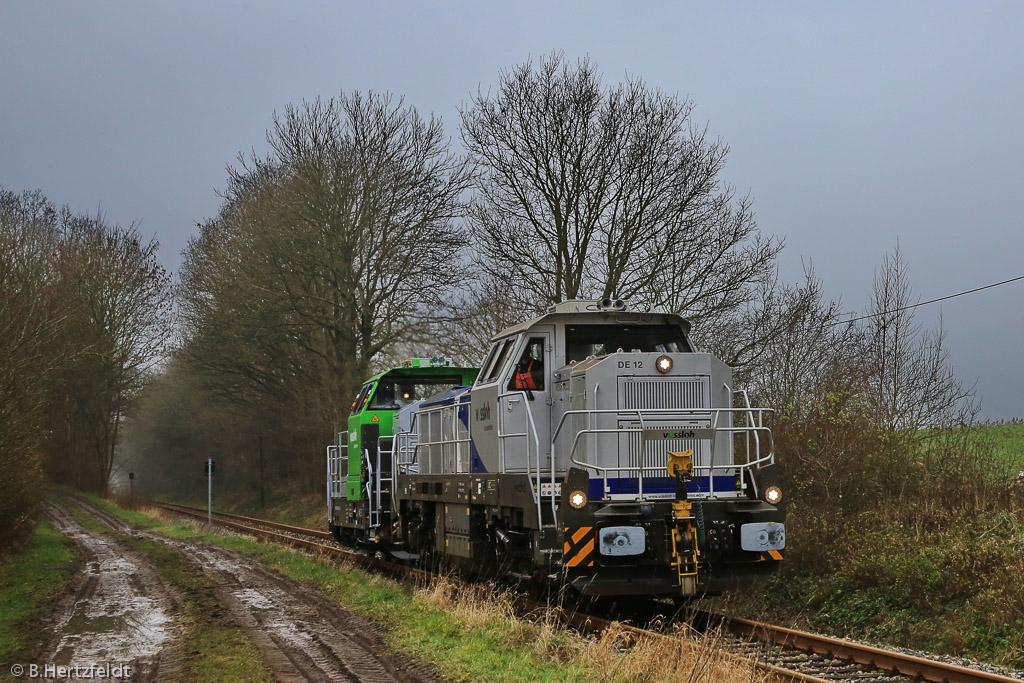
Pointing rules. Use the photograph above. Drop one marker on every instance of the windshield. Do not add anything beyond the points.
(583, 341)
(496, 361)
(394, 392)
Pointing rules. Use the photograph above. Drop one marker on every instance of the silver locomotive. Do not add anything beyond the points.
(597, 447)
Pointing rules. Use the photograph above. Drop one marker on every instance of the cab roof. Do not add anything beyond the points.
(424, 366)
(587, 312)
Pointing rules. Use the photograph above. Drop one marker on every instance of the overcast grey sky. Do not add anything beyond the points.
(851, 124)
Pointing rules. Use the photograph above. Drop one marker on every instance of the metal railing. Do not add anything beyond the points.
(757, 438)
(660, 419)
(445, 441)
(406, 461)
(708, 423)
(411, 449)
(336, 455)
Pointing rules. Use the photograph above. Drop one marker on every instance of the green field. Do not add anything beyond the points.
(933, 564)
(1007, 440)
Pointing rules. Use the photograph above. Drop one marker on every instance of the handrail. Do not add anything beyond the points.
(440, 410)
(330, 483)
(645, 468)
(644, 416)
(407, 440)
(659, 412)
(750, 414)
(335, 481)
(381, 479)
(406, 443)
(757, 439)
(526, 435)
(369, 483)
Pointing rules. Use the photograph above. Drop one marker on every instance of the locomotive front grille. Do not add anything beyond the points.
(690, 394)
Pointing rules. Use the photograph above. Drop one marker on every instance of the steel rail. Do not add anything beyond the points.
(865, 655)
(589, 623)
(253, 520)
(878, 658)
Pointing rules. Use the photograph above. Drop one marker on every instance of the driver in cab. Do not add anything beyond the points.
(529, 374)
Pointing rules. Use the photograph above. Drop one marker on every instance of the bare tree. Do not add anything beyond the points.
(586, 191)
(806, 350)
(326, 253)
(29, 324)
(83, 316)
(117, 328)
(473, 315)
(912, 384)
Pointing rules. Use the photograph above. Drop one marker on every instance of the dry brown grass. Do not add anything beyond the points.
(167, 517)
(125, 500)
(681, 655)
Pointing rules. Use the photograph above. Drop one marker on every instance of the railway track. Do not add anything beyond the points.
(786, 654)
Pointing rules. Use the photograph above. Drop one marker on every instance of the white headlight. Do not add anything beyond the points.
(664, 364)
(577, 499)
(773, 495)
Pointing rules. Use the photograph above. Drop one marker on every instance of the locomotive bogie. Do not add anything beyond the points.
(481, 521)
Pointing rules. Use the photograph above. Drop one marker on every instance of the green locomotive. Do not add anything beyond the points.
(360, 473)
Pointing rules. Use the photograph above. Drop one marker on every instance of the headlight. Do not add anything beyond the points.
(773, 495)
(664, 364)
(577, 499)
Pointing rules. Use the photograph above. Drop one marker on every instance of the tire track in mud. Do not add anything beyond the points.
(120, 611)
(302, 634)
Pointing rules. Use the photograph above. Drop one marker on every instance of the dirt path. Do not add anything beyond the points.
(120, 611)
(302, 634)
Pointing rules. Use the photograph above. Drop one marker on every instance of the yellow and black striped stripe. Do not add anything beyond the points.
(578, 549)
(772, 554)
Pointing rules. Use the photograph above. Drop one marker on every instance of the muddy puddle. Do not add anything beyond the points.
(119, 613)
(303, 637)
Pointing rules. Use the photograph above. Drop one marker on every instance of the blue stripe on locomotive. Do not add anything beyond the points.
(630, 485)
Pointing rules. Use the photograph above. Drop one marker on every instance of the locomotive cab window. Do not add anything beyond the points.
(395, 392)
(529, 370)
(495, 361)
(583, 341)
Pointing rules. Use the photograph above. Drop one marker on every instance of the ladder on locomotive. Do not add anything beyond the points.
(380, 493)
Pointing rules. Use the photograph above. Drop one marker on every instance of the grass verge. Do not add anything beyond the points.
(216, 648)
(952, 587)
(472, 638)
(32, 581)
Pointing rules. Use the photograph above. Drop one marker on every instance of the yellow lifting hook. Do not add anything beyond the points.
(685, 554)
(680, 463)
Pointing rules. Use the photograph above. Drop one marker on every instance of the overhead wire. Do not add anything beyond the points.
(925, 303)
